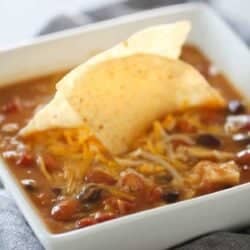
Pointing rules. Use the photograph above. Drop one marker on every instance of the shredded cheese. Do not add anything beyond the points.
(158, 160)
(155, 152)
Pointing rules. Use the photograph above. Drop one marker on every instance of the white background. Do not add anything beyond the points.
(22, 19)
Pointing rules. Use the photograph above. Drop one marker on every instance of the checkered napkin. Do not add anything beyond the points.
(15, 233)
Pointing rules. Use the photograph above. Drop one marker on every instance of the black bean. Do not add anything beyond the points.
(90, 193)
(208, 140)
(170, 196)
(236, 107)
(29, 184)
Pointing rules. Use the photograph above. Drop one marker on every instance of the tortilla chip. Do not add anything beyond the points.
(120, 92)
(163, 40)
(120, 98)
(58, 113)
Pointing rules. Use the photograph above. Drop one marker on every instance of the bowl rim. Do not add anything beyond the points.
(133, 17)
(10, 182)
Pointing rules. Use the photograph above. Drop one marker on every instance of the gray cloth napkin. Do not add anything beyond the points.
(15, 233)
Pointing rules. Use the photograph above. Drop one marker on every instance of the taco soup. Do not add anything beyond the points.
(124, 149)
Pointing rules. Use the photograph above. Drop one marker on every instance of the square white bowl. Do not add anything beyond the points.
(162, 227)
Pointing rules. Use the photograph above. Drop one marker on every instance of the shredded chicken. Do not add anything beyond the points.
(158, 160)
(185, 153)
(181, 137)
(170, 138)
(175, 137)
(130, 162)
(209, 176)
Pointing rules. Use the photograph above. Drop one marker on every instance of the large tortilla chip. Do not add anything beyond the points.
(163, 40)
(57, 112)
(130, 93)
(119, 97)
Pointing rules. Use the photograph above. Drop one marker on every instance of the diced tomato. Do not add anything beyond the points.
(12, 106)
(84, 222)
(185, 127)
(97, 218)
(125, 207)
(154, 194)
(104, 216)
(25, 159)
(110, 203)
(101, 177)
(120, 206)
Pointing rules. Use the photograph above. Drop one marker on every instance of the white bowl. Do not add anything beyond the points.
(161, 227)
